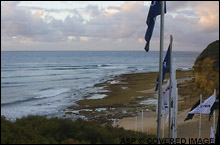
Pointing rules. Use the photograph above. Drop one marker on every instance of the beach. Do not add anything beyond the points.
(188, 129)
(128, 94)
(123, 95)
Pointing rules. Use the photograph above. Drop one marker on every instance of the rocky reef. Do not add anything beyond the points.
(206, 69)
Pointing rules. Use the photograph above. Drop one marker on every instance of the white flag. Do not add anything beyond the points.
(168, 116)
(205, 107)
(165, 100)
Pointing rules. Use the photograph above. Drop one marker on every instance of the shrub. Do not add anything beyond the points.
(40, 130)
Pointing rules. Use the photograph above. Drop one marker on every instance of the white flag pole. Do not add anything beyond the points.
(173, 95)
(170, 87)
(214, 113)
(114, 123)
(212, 136)
(160, 69)
(175, 101)
(135, 124)
(163, 126)
(142, 121)
(200, 118)
(176, 113)
(176, 104)
(214, 120)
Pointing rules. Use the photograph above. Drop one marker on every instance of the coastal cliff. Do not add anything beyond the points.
(206, 69)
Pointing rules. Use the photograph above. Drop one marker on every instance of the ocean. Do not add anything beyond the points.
(47, 82)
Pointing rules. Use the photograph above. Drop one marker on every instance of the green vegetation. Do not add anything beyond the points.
(212, 51)
(40, 130)
(206, 69)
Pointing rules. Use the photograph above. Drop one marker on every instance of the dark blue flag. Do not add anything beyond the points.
(155, 9)
(166, 67)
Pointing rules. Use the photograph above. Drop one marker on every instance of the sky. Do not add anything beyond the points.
(105, 25)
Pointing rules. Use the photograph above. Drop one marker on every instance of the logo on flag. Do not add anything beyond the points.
(205, 107)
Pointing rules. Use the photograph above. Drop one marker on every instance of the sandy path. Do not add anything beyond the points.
(188, 129)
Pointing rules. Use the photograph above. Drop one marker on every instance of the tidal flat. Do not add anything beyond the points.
(128, 94)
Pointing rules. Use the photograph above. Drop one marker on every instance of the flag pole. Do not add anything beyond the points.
(217, 133)
(170, 92)
(142, 121)
(135, 125)
(176, 114)
(200, 118)
(160, 69)
(175, 100)
(214, 113)
(163, 126)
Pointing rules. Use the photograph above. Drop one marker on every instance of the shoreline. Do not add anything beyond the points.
(135, 89)
(122, 96)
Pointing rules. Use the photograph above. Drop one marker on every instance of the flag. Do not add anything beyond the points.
(165, 100)
(190, 116)
(155, 10)
(205, 107)
(168, 115)
(166, 67)
(214, 107)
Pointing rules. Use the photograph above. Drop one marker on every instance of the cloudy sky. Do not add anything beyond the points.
(114, 25)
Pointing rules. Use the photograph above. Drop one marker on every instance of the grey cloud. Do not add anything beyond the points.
(93, 10)
(125, 25)
(173, 6)
(16, 21)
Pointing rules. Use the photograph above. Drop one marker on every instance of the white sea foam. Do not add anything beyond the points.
(101, 109)
(51, 93)
(98, 96)
(149, 102)
(114, 82)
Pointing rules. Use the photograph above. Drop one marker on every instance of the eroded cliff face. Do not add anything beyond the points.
(206, 69)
